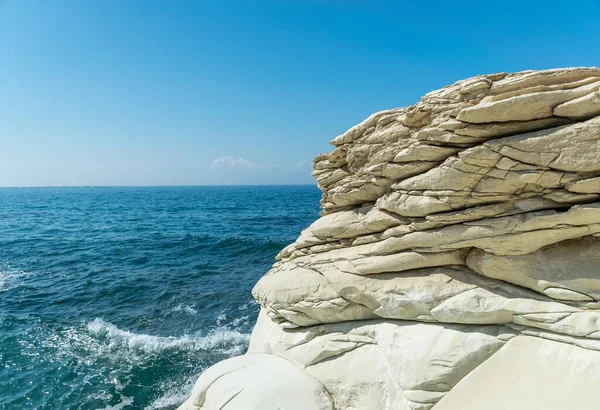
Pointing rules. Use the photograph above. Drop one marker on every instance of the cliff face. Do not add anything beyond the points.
(456, 264)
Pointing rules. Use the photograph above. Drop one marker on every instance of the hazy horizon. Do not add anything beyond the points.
(118, 93)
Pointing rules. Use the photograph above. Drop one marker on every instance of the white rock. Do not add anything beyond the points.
(455, 265)
(530, 373)
(585, 186)
(385, 366)
(257, 382)
(582, 107)
(568, 270)
(523, 107)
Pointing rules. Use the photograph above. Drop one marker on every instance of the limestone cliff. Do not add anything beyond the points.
(456, 264)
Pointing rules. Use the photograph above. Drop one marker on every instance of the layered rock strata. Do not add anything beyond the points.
(456, 264)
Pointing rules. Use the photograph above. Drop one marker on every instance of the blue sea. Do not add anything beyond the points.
(118, 298)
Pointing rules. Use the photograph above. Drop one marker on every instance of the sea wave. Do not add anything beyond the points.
(114, 359)
(223, 338)
(118, 293)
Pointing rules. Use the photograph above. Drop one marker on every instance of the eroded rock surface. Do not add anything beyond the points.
(459, 243)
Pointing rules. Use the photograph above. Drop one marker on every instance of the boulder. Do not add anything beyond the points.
(257, 382)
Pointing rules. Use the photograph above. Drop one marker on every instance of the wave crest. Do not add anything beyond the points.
(226, 340)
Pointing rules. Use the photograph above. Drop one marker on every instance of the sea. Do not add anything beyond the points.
(117, 298)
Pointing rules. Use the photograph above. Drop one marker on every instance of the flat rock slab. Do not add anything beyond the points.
(530, 373)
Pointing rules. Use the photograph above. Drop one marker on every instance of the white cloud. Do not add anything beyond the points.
(233, 162)
(302, 163)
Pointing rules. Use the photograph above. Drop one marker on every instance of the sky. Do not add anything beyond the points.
(124, 92)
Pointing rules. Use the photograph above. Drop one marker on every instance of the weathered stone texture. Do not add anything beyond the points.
(456, 264)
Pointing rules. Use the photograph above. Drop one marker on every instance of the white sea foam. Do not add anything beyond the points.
(221, 318)
(245, 306)
(125, 401)
(220, 337)
(11, 278)
(129, 345)
(240, 321)
(173, 395)
(189, 309)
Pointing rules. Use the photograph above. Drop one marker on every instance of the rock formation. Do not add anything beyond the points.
(456, 264)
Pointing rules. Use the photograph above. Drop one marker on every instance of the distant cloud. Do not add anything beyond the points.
(233, 162)
(301, 164)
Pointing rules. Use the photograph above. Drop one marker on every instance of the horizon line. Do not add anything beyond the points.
(148, 186)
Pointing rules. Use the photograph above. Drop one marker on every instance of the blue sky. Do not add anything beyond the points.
(123, 92)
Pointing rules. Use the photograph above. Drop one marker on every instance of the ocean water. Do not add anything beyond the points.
(118, 298)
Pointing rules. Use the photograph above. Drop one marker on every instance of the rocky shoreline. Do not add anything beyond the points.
(456, 264)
